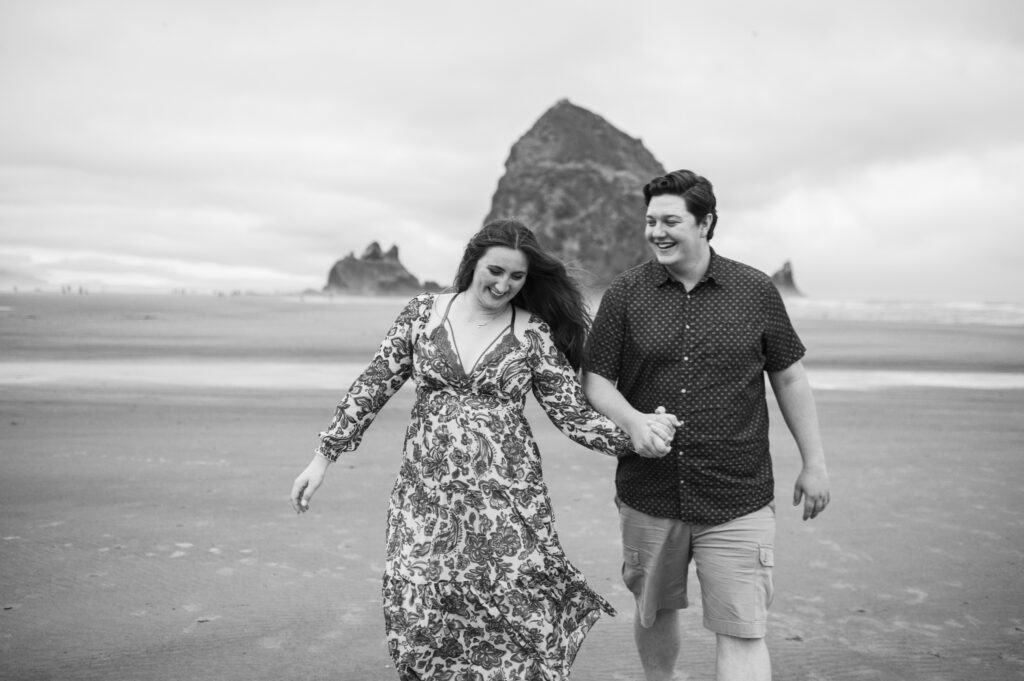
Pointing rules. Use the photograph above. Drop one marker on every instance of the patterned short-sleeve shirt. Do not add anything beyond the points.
(701, 354)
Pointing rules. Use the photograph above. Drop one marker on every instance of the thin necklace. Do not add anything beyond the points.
(488, 321)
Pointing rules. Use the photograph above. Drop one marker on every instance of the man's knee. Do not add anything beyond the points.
(743, 659)
(734, 645)
(663, 618)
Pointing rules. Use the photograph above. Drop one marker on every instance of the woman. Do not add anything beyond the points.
(475, 579)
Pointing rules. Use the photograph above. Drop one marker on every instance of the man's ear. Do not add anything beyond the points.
(705, 224)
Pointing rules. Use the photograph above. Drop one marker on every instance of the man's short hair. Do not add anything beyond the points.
(695, 190)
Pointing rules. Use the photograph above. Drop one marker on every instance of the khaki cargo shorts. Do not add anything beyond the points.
(734, 568)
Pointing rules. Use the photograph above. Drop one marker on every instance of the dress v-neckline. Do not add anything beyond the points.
(453, 343)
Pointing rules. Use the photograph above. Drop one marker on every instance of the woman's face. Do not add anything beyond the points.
(499, 275)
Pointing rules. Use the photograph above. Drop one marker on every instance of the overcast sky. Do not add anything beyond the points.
(249, 144)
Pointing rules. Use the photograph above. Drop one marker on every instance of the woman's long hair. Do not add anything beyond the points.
(548, 292)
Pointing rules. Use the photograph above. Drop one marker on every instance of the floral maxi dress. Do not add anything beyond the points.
(476, 585)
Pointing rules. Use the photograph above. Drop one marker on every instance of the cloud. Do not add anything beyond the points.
(937, 228)
(262, 137)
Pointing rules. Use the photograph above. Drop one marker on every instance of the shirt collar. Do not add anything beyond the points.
(714, 274)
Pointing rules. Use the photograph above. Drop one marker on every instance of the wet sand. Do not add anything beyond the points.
(145, 531)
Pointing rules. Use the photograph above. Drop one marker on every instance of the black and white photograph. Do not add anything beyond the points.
(530, 341)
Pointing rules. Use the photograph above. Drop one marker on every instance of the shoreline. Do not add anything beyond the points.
(284, 375)
(922, 311)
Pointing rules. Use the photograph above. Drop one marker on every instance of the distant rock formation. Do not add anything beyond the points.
(576, 180)
(783, 280)
(374, 273)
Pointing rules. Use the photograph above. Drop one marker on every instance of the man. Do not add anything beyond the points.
(695, 332)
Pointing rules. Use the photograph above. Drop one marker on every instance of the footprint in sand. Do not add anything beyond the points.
(354, 615)
(205, 619)
(181, 545)
(918, 594)
(271, 642)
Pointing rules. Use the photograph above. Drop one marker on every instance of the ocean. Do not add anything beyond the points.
(319, 342)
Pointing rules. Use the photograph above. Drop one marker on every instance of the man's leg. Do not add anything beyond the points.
(655, 561)
(734, 564)
(658, 645)
(742, 659)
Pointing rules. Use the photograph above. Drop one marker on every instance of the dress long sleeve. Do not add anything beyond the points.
(387, 372)
(558, 391)
(476, 584)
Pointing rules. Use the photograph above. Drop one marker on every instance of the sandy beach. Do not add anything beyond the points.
(149, 443)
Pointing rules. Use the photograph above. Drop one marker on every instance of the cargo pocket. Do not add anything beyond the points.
(632, 570)
(766, 581)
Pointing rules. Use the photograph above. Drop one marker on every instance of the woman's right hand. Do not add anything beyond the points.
(308, 482)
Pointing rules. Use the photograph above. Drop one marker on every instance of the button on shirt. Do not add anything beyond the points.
(702, 355)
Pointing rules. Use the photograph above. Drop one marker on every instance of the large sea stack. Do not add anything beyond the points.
(375, 273)
(576, 180)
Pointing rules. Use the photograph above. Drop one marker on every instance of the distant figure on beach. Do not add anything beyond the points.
(696, 332)
(476, 584)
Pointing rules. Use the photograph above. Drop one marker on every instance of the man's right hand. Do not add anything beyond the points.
(652, 434)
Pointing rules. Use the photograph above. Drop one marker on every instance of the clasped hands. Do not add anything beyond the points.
(652, 434)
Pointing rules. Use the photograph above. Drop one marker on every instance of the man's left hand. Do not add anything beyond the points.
(812, 487)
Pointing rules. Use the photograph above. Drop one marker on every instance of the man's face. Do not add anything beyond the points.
(673, 233)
